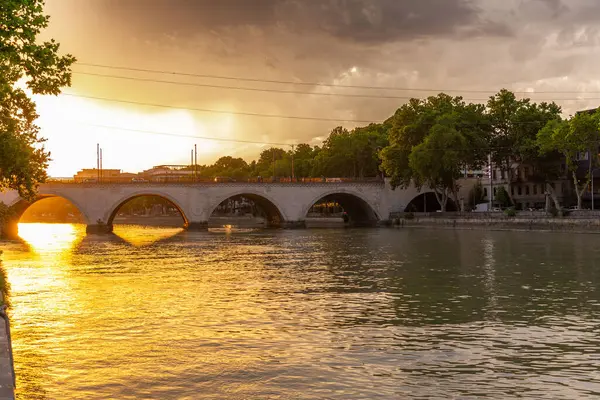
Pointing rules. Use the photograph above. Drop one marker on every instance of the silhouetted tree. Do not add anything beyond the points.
(23, 161)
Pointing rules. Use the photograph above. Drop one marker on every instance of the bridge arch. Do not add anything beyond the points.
(17, 207)
(21, 205)
(356, 205)
(274, 212)
(116, 206)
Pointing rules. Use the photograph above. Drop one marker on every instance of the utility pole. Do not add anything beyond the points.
(196, 162)
(192, 163)
(100, 165)
(292, 163)
(98, 162)
(491, 197)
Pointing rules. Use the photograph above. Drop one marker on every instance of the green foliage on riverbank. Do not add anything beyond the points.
(344, 154)
(430, 142)
(4, 285)
(5, 214)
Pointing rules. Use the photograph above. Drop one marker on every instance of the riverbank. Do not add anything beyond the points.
(581, 222)
(7, 380)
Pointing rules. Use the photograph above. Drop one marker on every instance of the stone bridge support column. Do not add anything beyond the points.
(98, 229)
(97, 219)
(293, 224)
(197, 226)
(293, 214)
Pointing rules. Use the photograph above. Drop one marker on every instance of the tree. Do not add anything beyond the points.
(432, 140)
(23, 159)
(265, 167)
(502, 197)
(578, 135)
(514, 127)
(228, 167)
(476, 195)
(366, 144)
(409, 126)
(303, 160)
(437, 162)
(336, 158)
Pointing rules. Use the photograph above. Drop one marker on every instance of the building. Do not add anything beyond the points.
(526, 187)
(93, 174)
(168, 173)
(113, 175)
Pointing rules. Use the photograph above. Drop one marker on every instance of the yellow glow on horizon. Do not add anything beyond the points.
(72, 122)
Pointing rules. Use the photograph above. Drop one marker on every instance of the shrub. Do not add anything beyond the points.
(553, 211)
(510, 212)
(409, 215)
(4, 287)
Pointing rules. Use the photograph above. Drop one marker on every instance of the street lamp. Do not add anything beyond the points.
(593, 172)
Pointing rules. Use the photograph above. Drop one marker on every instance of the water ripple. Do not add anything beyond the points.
(324, 314)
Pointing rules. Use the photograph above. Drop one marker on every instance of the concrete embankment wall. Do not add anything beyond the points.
(575, 222)
(7, 378)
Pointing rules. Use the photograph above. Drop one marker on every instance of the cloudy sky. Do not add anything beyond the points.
(472, 48)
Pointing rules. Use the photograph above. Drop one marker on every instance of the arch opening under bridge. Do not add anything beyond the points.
(350, 207)
(146, 208)
(246, 209)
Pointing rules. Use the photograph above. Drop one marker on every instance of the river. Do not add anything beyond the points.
(310, 314)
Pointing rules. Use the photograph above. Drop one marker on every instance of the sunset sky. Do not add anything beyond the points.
(473, 47)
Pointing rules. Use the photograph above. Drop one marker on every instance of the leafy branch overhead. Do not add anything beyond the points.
(23, 159)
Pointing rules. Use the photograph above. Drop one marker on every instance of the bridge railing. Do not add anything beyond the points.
(201, 180)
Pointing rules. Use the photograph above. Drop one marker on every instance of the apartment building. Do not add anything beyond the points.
(526, 187)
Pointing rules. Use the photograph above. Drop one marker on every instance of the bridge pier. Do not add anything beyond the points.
(197, 226)
(293, 224)
(99, 229)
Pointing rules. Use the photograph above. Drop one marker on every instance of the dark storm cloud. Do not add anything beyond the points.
(360, 21)
(460, 46)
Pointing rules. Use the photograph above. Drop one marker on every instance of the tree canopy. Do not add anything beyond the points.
(514, 127)
(572, 138)
(432, 140)
(23, 159)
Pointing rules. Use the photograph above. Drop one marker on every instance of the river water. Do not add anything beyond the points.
(309, 314)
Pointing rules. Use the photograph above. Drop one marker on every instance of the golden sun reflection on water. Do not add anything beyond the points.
(50, 247)
(47, 239)
(140, 236)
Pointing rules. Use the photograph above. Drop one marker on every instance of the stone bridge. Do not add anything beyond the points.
(285, 204)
